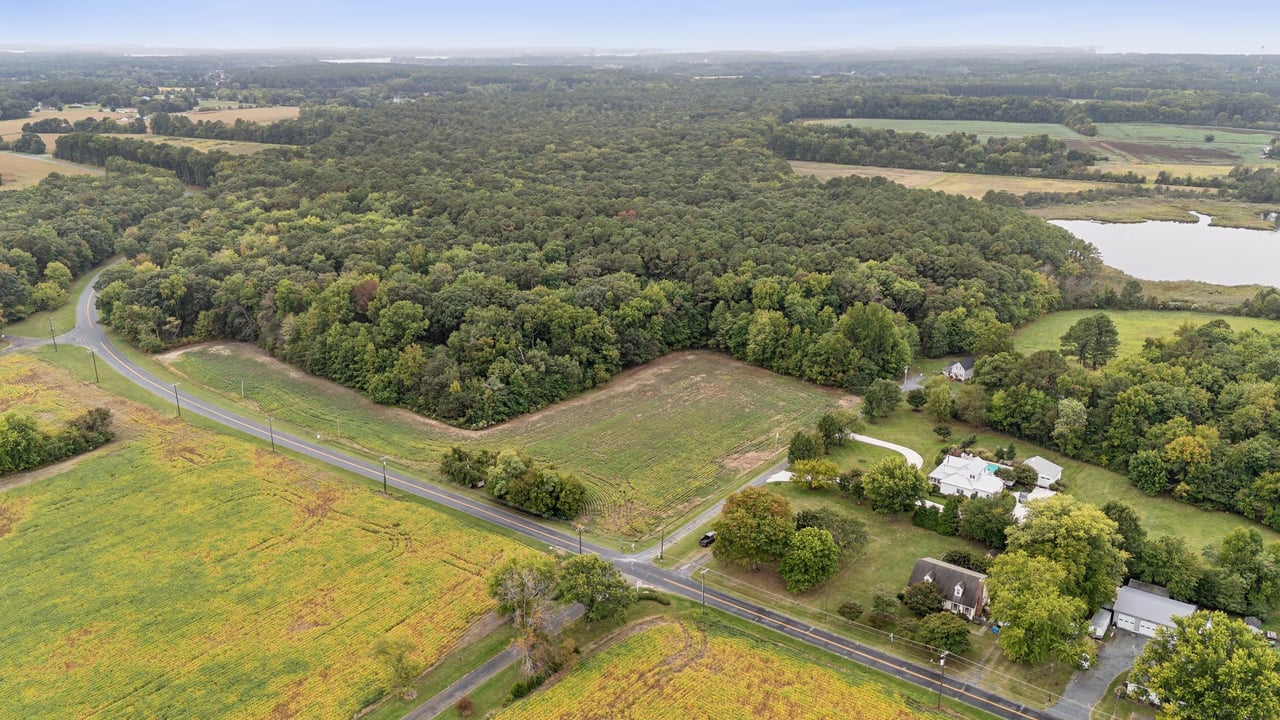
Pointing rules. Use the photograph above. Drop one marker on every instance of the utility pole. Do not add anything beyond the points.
(241, 388)
(662, 540)
(272, 430)
(94, 356)
(579, 528)
(52, 339)
(384, 492)
(176, 402)
(704, 591)
(942, 662)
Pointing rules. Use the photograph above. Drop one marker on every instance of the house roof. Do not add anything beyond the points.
(966, 363)
(968, 473)
(947, 577)
(1101, 619)
(1044, 467)
(1146, 606)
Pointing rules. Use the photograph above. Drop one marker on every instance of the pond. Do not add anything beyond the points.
(1185, 251)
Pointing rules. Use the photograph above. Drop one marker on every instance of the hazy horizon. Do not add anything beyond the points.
(1237, 27)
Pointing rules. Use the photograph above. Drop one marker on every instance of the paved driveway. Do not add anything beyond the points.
(1087, 687)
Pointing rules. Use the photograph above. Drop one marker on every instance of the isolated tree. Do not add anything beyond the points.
(1147, 472)
(835, 427)
(1093, 339)
(1081, 539)
(923, 598)
(1041, 620)
(812, 558)
(522, 586)
(1210, 667)
(893, 486)
(397, 655)
(815, 474)
(29, 143)
(881, 398)
(804, 446)
(755, 526)
(916, 399)
(598, 585)
(850, 483)
(944, 631)
(849, 532)
(939, 403)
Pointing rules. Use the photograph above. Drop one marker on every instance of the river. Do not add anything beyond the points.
(1185, 251)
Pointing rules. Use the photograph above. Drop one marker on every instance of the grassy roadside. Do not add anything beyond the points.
(446, 672)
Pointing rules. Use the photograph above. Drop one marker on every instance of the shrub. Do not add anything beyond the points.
(651, 595)
(942, 430)
(529, 684)
(850, 610)
(465, 706)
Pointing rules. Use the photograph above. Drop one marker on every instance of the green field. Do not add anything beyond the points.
(178, 572)
(652, 445)
(1134, 326)
(982, 128)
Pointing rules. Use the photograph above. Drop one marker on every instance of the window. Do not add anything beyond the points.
(959, 589)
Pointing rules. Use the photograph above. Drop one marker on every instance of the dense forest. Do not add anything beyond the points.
(480, 255)
(62, 227)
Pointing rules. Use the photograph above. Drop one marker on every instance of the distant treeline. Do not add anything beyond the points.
(137, 126)
(1172, 107)
(23, 445)
(1034, 155)
(192, 167)
(312, 127)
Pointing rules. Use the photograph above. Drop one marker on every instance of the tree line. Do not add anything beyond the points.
(24, 445)
(192, 166)
(57, 230)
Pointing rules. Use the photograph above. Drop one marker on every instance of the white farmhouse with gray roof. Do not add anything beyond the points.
(1142, 612)
(968, 476)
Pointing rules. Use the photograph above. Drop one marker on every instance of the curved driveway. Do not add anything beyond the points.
(913, 457)
(88, 334)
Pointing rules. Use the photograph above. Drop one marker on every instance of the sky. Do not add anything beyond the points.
(1226, 26)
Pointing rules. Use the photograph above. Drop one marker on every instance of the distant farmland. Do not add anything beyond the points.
(968, 184)
(178, 572)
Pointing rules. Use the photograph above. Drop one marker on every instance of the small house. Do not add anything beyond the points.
(1142, 612)
(1047, 473)
(960, 370)
(967, 475)
(964, 591)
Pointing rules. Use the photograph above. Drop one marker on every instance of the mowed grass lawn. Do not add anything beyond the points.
(177, 572)
(652, 445)
(1134, 327)
(1160, 515)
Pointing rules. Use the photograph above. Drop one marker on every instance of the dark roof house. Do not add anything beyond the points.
(964, 591)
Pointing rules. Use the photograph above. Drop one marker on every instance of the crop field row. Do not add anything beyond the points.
(651, 445)
(190, 574)
(678, 669)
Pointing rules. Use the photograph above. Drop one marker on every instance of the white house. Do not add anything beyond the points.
(968, 476)
(1142, 612)
(959, 370)
(1048, 473)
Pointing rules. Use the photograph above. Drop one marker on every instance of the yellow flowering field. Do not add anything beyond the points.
(680, 670)
(180, 573)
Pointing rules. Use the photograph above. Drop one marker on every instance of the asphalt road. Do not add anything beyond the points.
(89, 334)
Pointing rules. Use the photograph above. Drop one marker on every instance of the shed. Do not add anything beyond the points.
(1100, 623)
(1047, 472)
(1143, 613)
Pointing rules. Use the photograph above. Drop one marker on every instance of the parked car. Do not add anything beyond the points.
(707, 539)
